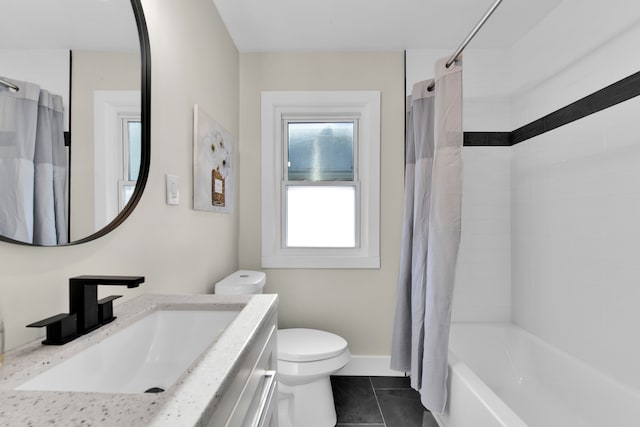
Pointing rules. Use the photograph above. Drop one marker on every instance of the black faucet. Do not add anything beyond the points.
(83, 299)
(86, 312)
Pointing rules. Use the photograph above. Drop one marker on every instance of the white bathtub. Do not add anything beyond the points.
(501, 375)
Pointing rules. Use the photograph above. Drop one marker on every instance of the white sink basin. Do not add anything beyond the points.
(149, 355)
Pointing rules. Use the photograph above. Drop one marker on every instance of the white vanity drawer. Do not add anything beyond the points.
(252, 397)
(261, 409)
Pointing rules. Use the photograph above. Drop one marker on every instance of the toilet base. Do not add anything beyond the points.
(307, 405)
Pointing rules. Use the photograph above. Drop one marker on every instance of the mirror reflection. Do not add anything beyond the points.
(70, 117)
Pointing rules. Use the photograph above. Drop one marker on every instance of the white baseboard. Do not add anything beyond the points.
(369, 366)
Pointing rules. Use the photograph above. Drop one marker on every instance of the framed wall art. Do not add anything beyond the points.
(212, 164)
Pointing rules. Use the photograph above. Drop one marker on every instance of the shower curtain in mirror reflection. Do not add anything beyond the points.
(430, 234)
(33, 166)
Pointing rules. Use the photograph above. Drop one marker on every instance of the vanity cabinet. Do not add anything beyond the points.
(251, 397)
(232, 383)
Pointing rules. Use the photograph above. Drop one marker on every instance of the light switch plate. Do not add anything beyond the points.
(173, 190)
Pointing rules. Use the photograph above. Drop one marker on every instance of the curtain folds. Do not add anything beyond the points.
(33, 166)
(430, 233)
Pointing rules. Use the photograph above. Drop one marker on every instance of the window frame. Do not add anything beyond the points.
(362, 107)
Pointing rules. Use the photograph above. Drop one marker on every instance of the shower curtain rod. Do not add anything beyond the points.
(9, 85)
(469, 37)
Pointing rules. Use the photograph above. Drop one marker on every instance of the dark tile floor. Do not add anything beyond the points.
(378, 402)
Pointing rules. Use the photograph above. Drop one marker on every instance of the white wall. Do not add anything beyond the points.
(356, 304)
(483, 276)
(575, 192)
(178, 250)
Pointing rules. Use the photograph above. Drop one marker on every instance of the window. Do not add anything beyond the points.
(131, 143)
(320, 187)
(117, 151)
(319, 184)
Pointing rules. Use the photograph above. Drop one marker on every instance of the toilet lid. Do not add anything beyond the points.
(307, 345)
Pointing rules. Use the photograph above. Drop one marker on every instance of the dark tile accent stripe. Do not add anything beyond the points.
(487, 139)
(615, 93)
(609, 96)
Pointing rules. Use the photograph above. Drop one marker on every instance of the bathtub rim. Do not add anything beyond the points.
(489, 400)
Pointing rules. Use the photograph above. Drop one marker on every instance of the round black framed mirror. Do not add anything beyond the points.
(75, 169)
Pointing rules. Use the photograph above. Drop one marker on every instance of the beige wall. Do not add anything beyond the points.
(357, 304)
(92, 71)
(178, 250)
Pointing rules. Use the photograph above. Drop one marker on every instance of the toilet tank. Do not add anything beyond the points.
(242, 282)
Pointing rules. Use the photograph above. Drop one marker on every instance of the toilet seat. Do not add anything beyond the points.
(308, 345)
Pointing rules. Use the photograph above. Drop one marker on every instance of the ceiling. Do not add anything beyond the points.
(351, 25)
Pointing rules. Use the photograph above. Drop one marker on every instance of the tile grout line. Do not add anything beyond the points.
(377, 402)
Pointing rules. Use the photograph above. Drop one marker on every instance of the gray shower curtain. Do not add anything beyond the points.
(430, 234)
(33, 165)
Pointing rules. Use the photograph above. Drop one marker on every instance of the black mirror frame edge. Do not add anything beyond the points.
(145, 161)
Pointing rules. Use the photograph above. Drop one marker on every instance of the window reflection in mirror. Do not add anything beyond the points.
(131, 143)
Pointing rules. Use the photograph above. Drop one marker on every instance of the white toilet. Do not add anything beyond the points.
(306, 359)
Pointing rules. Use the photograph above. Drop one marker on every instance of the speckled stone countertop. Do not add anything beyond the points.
(188, 402)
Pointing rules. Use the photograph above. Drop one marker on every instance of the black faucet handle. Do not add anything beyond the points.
(105, 309)
(128, 281)
(61, 328)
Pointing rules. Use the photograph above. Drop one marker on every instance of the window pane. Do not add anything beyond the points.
(320, 151)
(135, 149)
(321, 217)
(126, 193)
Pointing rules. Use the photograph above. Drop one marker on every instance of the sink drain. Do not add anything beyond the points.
(154, 390)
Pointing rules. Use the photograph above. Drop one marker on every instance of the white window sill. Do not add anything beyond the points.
(320, 262)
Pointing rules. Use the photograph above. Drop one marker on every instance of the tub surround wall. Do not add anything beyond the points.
(575, 197)
(575, 205)
(179, 250)
(577, 49)
(483, 276)
(355, 304)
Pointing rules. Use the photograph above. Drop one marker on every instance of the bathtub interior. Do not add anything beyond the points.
(542, 385)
